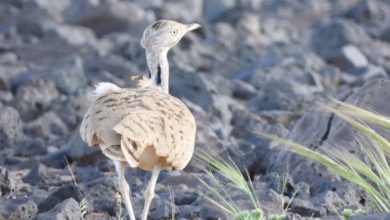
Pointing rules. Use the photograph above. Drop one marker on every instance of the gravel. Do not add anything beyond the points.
(254, 66)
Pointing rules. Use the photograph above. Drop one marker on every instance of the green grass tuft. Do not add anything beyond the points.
(230, 175)
(373, 177)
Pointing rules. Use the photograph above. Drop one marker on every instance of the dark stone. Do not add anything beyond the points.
(34, 97)
(378, 216)
(306, 208)
(57, 159)
(105, 205)
(7, 184)
(69, 75)
(61, 194)
(11, 127)
(68, 209)
(185, 198)
(18, 208)
(101, 194)
(213, 9)
(85, 174)
(31, 148)
(192, 87)
(37, 176)
(349, 57)
(385, 34)
(78, 150)
(329, 37)
(108, 16)
(47, 126)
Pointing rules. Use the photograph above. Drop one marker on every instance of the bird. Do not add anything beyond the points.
(143, 126)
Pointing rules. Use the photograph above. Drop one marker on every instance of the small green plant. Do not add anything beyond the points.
(373, 177)
(277, 217)
(348, 213)
(230, 175)
(255, 214)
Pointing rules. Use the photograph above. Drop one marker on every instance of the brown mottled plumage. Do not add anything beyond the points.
(144, 126)
(141, 126)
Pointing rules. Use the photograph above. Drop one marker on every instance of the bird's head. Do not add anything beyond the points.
(165, 34)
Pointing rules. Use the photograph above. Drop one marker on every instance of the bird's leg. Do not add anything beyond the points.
(149, 192)
(124, 188)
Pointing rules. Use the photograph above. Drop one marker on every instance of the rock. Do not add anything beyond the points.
(47, 126)
(369, 96)
(150, 3)
(278, 31)
(187, 212)
(192, 87)
(68, 209)
(36, 17)
(105, 205)
(302, 190)
(245, 127)
(38, 176)
(101, 194)
(73, 35)
(6, 97)
(211, 212)
(328, 38)
(34, 97)
(7, 183)
(380, 216)
(330, 200)
(271, 201)
(160, 208)
(8, 58)
(250, 4)
(31, 148)
(58, 159)
(177, 178)
(69, 75)
(243, 90)
(61, 194)
(185, 198)
(186, 11)
(213, 9)
(349, 57)
(11, 127)
(307, 12)
(318, 129)
(113, 64)
(385, 34)
(118, 16)
(18, 208)
(77, 150)
(86, 174)
(306, 208)
(281, 94)
(369, 13)
(361, 75)
(54, 9)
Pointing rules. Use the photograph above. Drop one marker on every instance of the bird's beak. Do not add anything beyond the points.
(191, 27)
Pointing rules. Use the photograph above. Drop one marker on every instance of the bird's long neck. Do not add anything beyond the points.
(159, 68)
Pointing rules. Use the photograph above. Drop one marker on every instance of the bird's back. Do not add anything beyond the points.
(142, 126)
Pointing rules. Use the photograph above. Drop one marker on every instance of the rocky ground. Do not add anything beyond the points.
(256, 65)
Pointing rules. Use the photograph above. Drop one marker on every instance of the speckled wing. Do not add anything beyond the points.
(164, 122)
(138, 118)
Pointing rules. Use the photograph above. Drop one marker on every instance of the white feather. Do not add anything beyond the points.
(104, 88)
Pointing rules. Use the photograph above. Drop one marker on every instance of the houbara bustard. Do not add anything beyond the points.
(144, 126)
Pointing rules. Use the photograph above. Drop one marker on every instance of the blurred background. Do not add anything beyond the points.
(255, 65)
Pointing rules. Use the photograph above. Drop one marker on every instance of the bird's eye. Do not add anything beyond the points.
(174, 32)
